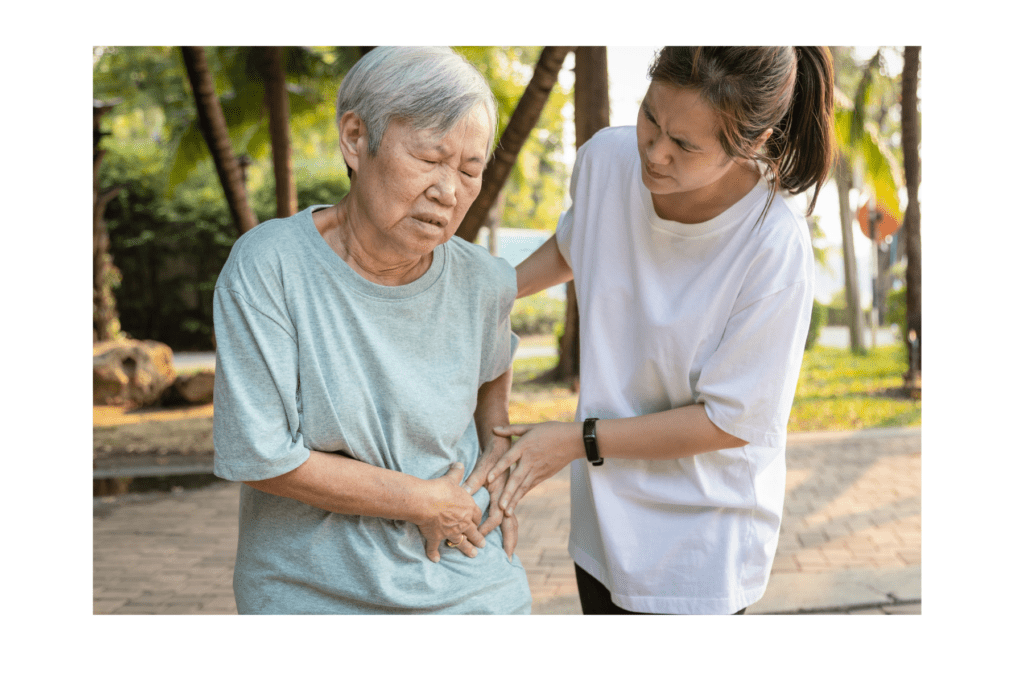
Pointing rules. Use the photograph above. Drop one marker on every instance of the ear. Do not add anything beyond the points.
(352, 139)
(763, 138)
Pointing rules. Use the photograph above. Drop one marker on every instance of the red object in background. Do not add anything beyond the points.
(885, 227)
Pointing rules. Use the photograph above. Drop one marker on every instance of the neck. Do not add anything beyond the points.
(356, 245)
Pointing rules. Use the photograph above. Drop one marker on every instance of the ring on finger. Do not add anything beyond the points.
(452, 544)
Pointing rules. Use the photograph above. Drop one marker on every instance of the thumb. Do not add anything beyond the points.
(512, 430)
(455, 472)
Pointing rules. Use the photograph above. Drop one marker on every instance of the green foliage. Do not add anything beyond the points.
(896, 309)
(821, 254)
(537, 314)
(535, 190)
(819, 316)
(170, 252)
(314, 184)
(241, 92)
(150, 81)
(865, 128)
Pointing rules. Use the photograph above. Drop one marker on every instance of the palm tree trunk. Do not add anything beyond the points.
(856, 317)
(524, 118)
(106, 324)
(276, 95)
(592, 113)
(911, 138)
(215, 132)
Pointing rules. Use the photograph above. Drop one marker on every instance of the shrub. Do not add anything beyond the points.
(314, 184)
(171, 250)
(896, 310)
(819, 316)
(538, 314)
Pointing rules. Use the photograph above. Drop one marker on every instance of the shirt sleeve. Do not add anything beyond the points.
(563, 236)
(500, 343)
(257, 414)
(747, 385)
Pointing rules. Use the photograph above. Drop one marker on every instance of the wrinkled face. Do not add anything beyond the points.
(677, 140)
(418, 187)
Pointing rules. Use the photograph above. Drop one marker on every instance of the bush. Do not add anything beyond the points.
(314, 184)
(538, 314)
(819, 316)
(171, 250)
(896, 310)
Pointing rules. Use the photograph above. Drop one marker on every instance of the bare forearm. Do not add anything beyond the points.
(544, 449)
(542, 269)
(677, 433)
(349, 487)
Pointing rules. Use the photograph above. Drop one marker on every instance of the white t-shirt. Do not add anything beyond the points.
(673, 314)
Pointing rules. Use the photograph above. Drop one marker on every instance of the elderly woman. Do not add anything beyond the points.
(363, 359)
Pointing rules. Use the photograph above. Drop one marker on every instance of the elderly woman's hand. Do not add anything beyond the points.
(449, 514)
(509, 524)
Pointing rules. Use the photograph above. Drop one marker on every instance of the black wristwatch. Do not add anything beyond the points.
(590, 441)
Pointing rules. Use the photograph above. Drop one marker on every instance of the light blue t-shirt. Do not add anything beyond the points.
(310, 355)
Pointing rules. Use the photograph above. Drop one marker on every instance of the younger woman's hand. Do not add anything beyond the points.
(541, 452)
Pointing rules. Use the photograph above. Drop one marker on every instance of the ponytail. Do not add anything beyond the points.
(805, 150)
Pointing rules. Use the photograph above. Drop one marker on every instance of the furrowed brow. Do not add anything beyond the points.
(682, 143)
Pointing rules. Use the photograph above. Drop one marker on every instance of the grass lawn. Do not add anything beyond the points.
(532, 401)
(836, 391)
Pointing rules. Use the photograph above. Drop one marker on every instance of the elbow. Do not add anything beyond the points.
(263, 485)
(735, 441)
(279, 485)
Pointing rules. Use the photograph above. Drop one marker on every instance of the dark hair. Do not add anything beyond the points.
(787, 89)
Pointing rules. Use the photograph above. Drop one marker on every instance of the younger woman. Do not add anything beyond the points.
(694, 276)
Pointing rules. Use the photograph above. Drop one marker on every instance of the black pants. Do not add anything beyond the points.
(596, 599)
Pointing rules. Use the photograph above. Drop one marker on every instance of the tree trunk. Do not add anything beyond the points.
(215, 132)
(105, 323)
(911, 138)
(592, 113)
(523, 119)
(856, 317)
(276, 95)
(493, 222)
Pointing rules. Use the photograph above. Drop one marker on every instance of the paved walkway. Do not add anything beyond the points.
(850, 541)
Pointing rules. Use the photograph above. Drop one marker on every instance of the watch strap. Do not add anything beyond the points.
(590, 441)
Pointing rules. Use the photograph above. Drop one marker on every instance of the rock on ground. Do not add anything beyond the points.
(131, 372)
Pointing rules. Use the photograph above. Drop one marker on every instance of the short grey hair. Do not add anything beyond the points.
(430, 87)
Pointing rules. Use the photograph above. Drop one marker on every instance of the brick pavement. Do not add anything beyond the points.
(853, 509)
